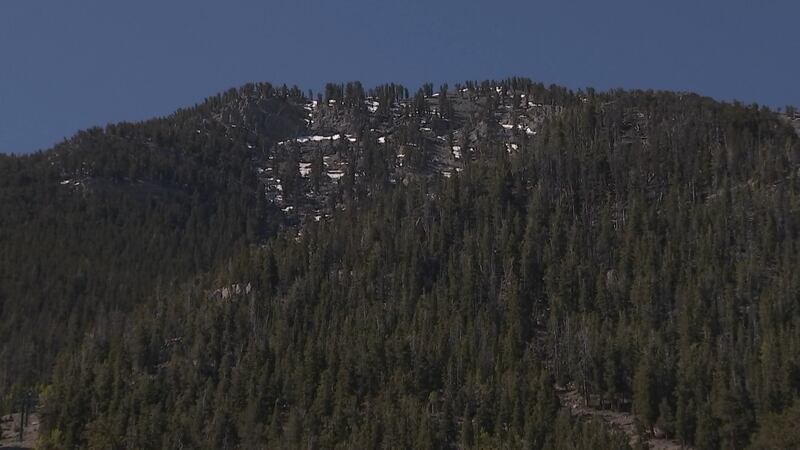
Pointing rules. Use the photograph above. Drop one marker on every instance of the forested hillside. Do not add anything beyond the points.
(373, 269)
(101, 221)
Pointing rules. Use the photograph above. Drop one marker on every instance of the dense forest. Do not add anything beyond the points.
(94, 225)
(376, 269)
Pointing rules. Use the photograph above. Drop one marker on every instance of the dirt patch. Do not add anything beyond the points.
(9, 436)
(622, 421)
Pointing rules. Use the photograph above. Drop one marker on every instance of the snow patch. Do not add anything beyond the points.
(335, 174)
(315, 138)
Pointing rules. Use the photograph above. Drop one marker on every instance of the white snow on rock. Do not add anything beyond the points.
(335, 174)
(288, 208)
(305, 169)
(457, 152)
(507, 126)
(382, 140)
(315, 138)
(530, 132)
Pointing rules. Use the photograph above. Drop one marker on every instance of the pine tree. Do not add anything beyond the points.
(645, 396)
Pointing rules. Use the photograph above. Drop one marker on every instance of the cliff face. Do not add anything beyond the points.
(375, 143)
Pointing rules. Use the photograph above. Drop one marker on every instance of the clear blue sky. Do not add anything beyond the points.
(68, 65)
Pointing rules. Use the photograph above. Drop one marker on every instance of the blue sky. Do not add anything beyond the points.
(65, 66)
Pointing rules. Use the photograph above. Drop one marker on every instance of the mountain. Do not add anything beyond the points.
(367, 268)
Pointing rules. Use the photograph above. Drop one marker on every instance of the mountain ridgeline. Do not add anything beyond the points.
(374, 268)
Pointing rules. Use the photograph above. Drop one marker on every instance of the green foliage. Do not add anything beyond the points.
(779, 430)
(108, 217)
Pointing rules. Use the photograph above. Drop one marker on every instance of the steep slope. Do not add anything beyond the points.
(380, 138)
